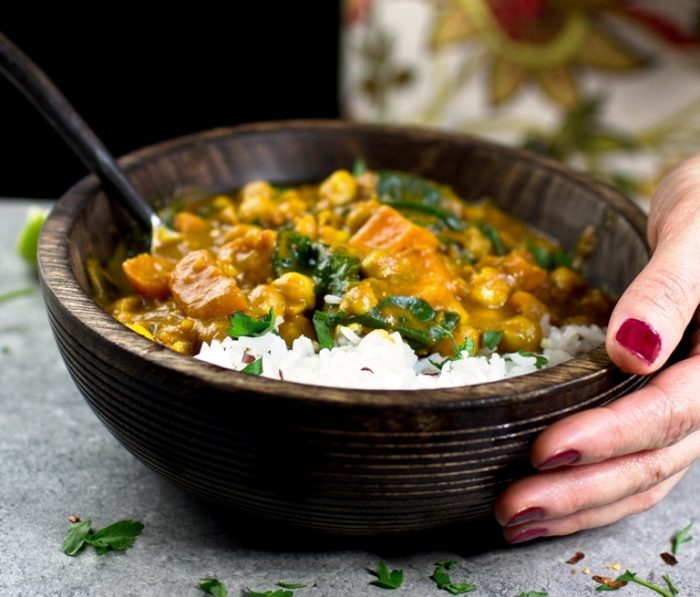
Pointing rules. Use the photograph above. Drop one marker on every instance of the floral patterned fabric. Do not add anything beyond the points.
(612, 86)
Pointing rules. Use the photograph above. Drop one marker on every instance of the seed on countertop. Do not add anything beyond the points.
(74, 518)
(614, 566)
(576, 558)
(586, 570)
(609, 582)
(669, 558)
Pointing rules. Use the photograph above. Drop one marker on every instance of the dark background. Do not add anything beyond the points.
(138, 83)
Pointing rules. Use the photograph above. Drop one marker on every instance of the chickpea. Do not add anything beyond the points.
(491, 288)
(332, 236)
(359, 299)
(339, 188)
(295, 326)
(528, 305)
(360, 213)
(265, 297)
(298, 292)
(257, 203)
(566, 280)
(520, 333)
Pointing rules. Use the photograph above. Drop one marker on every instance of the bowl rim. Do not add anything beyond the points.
(60, 286)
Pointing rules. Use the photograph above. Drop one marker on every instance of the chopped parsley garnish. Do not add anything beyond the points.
(291, 585)
(277, 593)
(681, 537)
(323, 331)
(254, 368)
(387, 579)
(245, 325)
(213, 586)
(533, 594)
(627, 577)
(491, 339)
(118, 536)
(443, 581)
(540, 360)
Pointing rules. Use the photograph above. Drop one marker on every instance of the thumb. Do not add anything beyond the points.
(652, 314)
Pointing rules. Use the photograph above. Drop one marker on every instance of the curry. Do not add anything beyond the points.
(367, 249)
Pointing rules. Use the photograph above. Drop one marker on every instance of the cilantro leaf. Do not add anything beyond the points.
(117, 536)
(28, 239)
(323, 331)
(291, 585)
(533, 594)
(75, 538)
(681, 537)
(467, 346)
(213, 586)
(444, 582)
(669, 583)
(277, 593)
(446, 564)
(244, 325)
(254, 368)
(540, 360)
(386, 579)
(491, 339)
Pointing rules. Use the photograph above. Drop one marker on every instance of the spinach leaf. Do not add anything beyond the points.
(323, 331)
(417, 322)
(335, 272)
(492, 234)
(293, 252)
(406, 191)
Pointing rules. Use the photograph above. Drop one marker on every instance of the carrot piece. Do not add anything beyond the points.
(188, 222)
(149, 275)
(388, 230)
(202, 290)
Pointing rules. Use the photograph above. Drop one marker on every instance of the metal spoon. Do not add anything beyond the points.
(53, 105)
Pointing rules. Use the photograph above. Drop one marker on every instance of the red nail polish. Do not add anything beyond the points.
(640, 339)
(528, 535)
(527, 515)
(561, 459)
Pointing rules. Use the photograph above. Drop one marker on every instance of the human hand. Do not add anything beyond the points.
(603, 464)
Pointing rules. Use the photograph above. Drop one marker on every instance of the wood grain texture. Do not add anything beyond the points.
(348, 462)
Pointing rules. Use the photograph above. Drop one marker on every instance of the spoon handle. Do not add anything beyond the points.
(53, 105)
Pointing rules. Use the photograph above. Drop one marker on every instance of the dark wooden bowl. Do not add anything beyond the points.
(351, 462)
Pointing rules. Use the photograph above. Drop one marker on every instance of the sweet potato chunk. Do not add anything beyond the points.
(187, 222)
(202, 290)
(387, 229)
(149, 275)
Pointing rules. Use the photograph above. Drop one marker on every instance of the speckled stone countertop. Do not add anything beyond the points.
(56, 459)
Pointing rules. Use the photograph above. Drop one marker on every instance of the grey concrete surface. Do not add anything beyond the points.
(56, 459)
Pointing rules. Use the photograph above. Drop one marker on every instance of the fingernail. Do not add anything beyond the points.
(561, 459)
(640, 339)
(528, 535)
(527, 515)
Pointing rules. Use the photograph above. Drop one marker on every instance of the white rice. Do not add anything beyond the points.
(381, 360)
